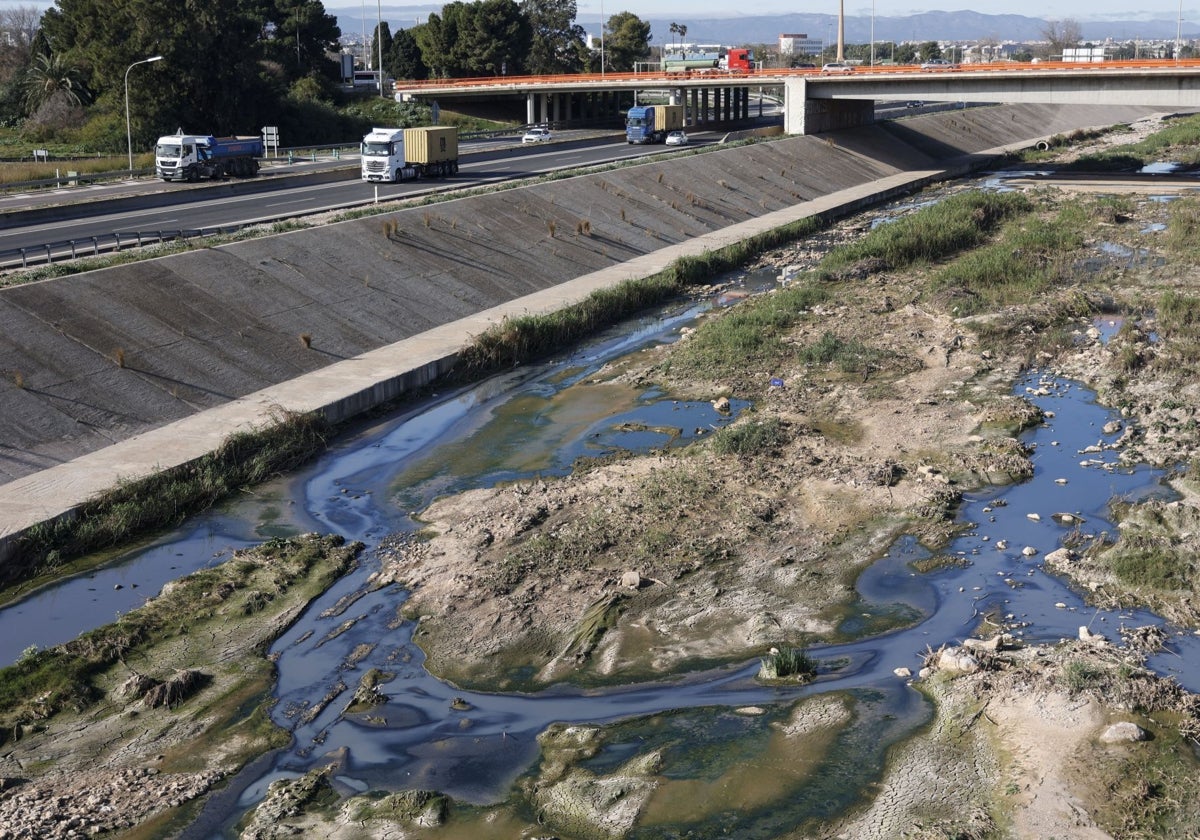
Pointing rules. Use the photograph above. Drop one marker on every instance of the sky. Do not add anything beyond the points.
(1078, 9)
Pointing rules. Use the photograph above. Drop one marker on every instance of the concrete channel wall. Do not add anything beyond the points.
(119, 372)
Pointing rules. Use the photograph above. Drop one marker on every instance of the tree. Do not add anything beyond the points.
(626, 40)
(382, 33)
(679, 29)
(227, 63)
(52, 77)
(405, 61)
(439, 39)
(496, 39)
(557, 41)
(1060, 35)
(906, 53)
(928, 50)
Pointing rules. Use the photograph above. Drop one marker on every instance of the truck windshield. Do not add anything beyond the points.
(167, 150)
(635, 121)
(375, 147)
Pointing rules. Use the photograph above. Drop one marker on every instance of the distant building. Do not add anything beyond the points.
(800, 45)
(1086, 55)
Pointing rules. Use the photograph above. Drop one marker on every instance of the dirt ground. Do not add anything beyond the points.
(677, 559)
(562, 578)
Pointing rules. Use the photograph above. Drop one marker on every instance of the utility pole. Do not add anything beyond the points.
(841, 48)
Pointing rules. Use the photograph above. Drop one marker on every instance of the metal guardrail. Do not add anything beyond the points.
(70, 249)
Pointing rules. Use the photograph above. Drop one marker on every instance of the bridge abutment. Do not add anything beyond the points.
(802, 115)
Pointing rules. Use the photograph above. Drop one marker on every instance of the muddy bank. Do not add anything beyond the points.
(158, 708)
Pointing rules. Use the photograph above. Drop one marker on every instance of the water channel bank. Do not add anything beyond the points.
(342, 317)
(758, 534)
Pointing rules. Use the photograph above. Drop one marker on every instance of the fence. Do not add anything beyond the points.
(69, 249)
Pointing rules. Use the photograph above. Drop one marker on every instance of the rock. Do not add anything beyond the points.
(1001, 545)
(1066, 518)
(1124, 732)
(903, 673)
(722, 405)
(1112, 427)
(1060, 556)
(1086, 635)
(1034, 517)
(1029, 551)
(957, 660)
(631, 580)
(1001, 641)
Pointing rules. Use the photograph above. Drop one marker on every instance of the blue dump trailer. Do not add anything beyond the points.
(191, 157)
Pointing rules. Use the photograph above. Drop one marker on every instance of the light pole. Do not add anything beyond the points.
(602, 37)
(1179, 32)
(841, 48)
(873, 32)
(379, 41)
(128, 129)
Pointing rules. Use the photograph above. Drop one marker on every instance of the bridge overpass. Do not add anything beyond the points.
(814, 103)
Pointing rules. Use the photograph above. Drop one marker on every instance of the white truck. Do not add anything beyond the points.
(404, 154)
(190, 157)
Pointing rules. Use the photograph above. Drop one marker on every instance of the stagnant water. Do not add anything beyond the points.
(539, 421)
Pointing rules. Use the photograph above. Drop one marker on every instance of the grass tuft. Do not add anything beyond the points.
(787, 663)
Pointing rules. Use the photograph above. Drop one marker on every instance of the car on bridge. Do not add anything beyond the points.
(537, 134)
(938, 64)
(836, 68)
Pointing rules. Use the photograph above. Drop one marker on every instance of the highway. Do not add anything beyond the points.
(211, 207)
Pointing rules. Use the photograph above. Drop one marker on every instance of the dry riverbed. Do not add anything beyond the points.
(675, 560)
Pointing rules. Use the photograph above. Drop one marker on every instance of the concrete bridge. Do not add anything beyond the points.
(814, 103)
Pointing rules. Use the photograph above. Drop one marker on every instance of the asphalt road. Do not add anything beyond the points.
(211, 207)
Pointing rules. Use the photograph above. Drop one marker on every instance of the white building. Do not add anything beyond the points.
(800, 45)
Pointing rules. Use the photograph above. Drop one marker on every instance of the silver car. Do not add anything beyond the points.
(835, 68)
(536, 135)
(677, 138)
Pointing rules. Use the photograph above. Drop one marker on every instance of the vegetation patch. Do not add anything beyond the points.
(787, 663)
(1031, 256)
(929, 235)
(47, 682)
(140, 506)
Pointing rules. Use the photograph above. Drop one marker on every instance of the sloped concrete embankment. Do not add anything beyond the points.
(110, 355)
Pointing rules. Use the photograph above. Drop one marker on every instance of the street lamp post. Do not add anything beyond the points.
(379, 41)
(1179, 32)
(128, 128)
(602, 37)
(873, 32)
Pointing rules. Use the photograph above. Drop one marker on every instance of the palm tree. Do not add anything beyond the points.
(51, 76)
(680, 30)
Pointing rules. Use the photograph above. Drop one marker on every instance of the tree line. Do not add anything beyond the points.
(233, 66)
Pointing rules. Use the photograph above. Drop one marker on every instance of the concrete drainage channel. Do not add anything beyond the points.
(209, 337)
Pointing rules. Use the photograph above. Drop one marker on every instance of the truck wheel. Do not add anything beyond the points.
(454, 168)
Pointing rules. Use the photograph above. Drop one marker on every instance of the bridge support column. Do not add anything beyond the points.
(802, 115)
(530, 108)
(694, 111)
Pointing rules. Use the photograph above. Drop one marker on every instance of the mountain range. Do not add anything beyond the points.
(760, 29)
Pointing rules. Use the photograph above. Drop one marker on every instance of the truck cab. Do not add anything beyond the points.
(175, 157)
(382, 156)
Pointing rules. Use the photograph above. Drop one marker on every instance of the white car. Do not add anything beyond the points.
(536, 135)
(939, 64)
(836, 67)
(677, 138)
